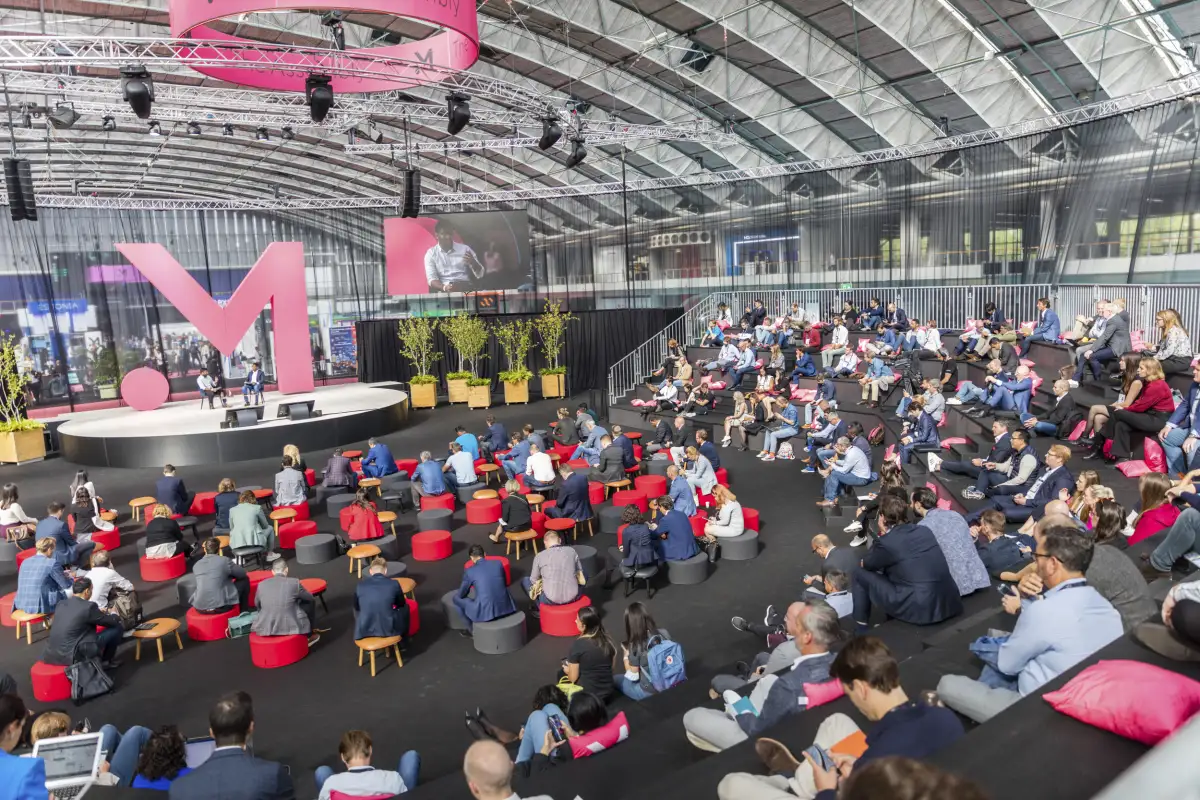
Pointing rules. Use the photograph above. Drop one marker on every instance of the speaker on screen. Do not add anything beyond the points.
(12, 185)
(412, 193)
(26, 177)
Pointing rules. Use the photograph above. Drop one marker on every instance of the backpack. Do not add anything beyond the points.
(127, 606)
(875, 437)
(664, 661)
(785, 451)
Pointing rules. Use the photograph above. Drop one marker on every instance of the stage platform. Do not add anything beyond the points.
(185, 433)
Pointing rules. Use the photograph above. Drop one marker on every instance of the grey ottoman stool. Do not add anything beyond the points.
(316, 549)
(588, 559)
(466, 492)
(657, 466)
(689, 571)
(739, 548)
(388, 546)
(610, 519)
(454, 620)
(8, 558)
(435, 519)
(323, 493)
(335, 503)
(388, 481)
(186, 587)
(504, 635)
(396, 569)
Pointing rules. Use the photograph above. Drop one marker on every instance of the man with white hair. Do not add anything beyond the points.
(285, 608)
(1111, 344)
(1007, 395)
(104, 578)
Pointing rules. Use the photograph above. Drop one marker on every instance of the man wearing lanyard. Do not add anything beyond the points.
(1062, 621)
(1180, 435)
(450, 266)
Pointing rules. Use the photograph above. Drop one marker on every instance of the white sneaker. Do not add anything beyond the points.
(853, 527)
(690, 414)
(769, 457)
(726, 442)
(767, 616)
(763, 454)
(273, 557)
(860, 540)
(730, 696)
(1074, 384)
(954, 401)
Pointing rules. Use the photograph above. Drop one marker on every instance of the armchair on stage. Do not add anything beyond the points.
(253, 385)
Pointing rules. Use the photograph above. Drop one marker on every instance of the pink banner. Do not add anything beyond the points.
(404, 243)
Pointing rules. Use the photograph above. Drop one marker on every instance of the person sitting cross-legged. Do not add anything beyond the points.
(491, 599)
(379, 605)
(429, 480)
(361, 779)
(848, 467)
(556, 575)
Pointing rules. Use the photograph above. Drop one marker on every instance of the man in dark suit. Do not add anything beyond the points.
(170, 491)
(843, 559)
(905, 574)
(626, 444)
(1063, 417)
(491, 600)
(612, 463)
(495, 439)
(1111, 344)
(662, 435)
(380, 605)
(231, 773)
(1052, 479)
(73, 637)
(707, 449)
(253, 384)
(1001, 452)
(896, 319)
(573, 501)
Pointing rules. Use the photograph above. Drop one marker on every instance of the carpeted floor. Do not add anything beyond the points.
(302, 710)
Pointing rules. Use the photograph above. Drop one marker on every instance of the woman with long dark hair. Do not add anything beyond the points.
(547, 715)
(641, 633)
(163, 759)
(15, 523)
(589, 664)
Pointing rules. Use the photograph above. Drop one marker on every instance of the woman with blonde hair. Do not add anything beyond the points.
(1148, 413)
(1157, 511)
(1081, 500)
(294, 452)
(164, 539)
(699, 471)
(1174, 348)
(735, 419)
(515, 513)
(728, 521)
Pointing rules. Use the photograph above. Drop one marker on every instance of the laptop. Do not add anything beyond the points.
(72, 763)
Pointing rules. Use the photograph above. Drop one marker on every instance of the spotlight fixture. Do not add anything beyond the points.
(944, 125)
(578, 153)
(318, 95)
(155, 128)
(459, 112)
(137, 87)
(261, 135)
(377, 136)
(109, 124)
(227, 129)
(287, 133)
(551, 133)
(193, 128)
(63, 116)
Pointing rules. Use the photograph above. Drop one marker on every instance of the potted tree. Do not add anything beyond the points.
(107, 373)
(468, 335)
(20, 437)
(552, 329)
(416, 345)
(515, 338)
(479, 392)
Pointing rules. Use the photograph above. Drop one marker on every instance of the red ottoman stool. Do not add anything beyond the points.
(631, 498)
(208, 627)
(652, 485)
(301, 510)
(698, 524)
(157, 570)
(409, 465)
(620, 534)
(310, 477)
(595, 493)
(637, 452)
(109, 540)
(356, 466)
(352, 453)
(23, 555)
(50, 684)
(750, 518)
(560, 620)
(445, 501)
(579, 464)
(483, 512)
(564, 450)
(549, 504)
(414, 617)
(6, 606)
(432, 545)
(269, 652)
(563, 525)
(203, 503)
(723, 477)
(503, 562)
(289, 532)
(256, 577)
(539, 523)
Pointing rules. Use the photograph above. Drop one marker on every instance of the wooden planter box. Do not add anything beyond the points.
(554, 385)
(107, 391)
(517, 392)
(457, 390)
(479, 396)
(22, 446)
(423, 395)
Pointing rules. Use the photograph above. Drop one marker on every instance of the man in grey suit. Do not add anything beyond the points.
(612, 464)
(220, 583)
(285, 608)
(1111, 344)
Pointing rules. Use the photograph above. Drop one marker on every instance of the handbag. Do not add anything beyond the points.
(126, 605)
(535, 589)
(567, 688)
(713, 549)
(240, 625)
(88, 680)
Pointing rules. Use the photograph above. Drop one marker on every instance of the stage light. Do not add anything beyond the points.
(551, 133)
(109, 124)
(459, 112)
(261, 135)
(63, 116)
(137, 87)
(193, 128)
(287, 133)
(578, 153)
(227, 129)
(155, 129)
(319, 96)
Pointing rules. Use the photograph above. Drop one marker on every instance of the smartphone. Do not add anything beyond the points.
(1006, 589)
(556, 727)
(821, 756)
(145, 626)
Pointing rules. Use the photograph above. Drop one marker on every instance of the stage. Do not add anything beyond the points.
(184, 433)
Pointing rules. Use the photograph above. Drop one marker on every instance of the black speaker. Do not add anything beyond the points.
(301, 409)
(12, 185)
(242, 417)
(412, 193)
(26, 178)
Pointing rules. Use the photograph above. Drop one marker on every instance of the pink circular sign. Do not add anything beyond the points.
(145, 389)
(456, 47)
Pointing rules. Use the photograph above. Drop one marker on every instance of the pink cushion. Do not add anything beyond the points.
(1135, 700)
(951, 440)
(1079, 429)
(1153, 453)
(599, 740)
(804, 395)
(1133, 469)
(717, 385)
(819, 694)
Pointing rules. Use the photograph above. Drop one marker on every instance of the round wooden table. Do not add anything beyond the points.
(316, 587)
(535, 500)
(388, 516)
(360, 553)
(371, 483)
(162, 627)
(281, 514)
(138, 503)
(108, 515)
(407, 586)
(486, 494)
(488, 470)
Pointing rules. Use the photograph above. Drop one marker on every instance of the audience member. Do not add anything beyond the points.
(361, 779)
(683, 499)
(1178, 635)
(788, 425)
(164, 538)
(1174, 349)
(921, 436)
(662, 435)
(589, 663)
(379, 605)
(85, 514)
(573, 500)
(495, 439)
(999, 552)
(227, 498)
(619, 439)
(249, 526)
(591, 447)
(1061, 420)
(285, 608)
(1157, 511)
(14, 522)
(74, 635)
(556, 575)
(739, 416)
(515, 514)
(170, 491)
(1047, 328)
(68, 551)
(491, 599)
(637, 543)
(838, 343)
(378, 461)
(611, 465)
(1112, 343)
(22, 778)
(1131, 387)
(728, 520)
(899, 778)
(459, 469)
(1012, 476)
(954, 538)
(360, 519)
(849, 467)
(706, 448)
(1111, 572)
(162, 760)
(542, 725)
(291, 487)
(641, 634)
(221, 585)
(539, 470)
(488, 770)
(1052, 482)
(699, 472)
(1178, 436)
(428, 480)
(105, 579)
(675, 539)
(466, 441)
(41, 582)
(293, 452)
(1149, 413)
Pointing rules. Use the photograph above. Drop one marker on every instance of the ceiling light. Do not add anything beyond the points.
(155, 129)
(318, 94)
(63, 116)
(287, 133)
(551, 133)
(578, 153)
(262, 135)
(227, 129)
(193, 128)
(458, 111)
(137, 87)
(109, 124)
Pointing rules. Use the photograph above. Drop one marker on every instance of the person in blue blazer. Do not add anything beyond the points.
(379, 604)
(20, 778)
(378, 461)
(491, 600)
(1006, 393)
(573, 500)
(922, 432)
(805, 367)
(518, 455)
(1048, 327)
(626, 444)
(1052, 480)
(495, 438)
(170, 491)
(1183, 430)
(675, 539)
(895, 318)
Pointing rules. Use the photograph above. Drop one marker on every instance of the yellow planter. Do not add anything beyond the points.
(457, 390)
(517, 392)
(554, 385)
(423, 395)
(479, 396)
(21, 446)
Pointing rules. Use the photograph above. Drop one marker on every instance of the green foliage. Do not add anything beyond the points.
(13, 381)
(552, 328)
(478, 382)
(459, 376)
(416, 345)
(554, 371)
(422, 379)
(468, 334)
(515, 338)
(105, 368)
(18, 425)
(515, 375)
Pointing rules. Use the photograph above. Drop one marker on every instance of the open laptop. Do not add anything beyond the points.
(72, 763)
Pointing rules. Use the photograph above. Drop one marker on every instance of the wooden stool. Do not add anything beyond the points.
(27, 619)
(162, 627)
(488, 470)
(360, 553)
(530, 536)
(371, 483)
(616, 486)
(388, 516)
(408, 587)
(535, 501)
(556, 458)
(388, 644)
(108, 516)
(138, 503)
(284, 514)
(486, 494)
(223, 541)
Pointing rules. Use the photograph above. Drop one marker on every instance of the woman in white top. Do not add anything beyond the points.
(1174, 350)
(729, 521)
(700, 474)
(15, 523)
(735, 419)
(81, 479)
(837, 346)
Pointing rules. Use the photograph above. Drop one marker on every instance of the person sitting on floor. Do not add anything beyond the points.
(515, 514)
(1052, 482)
(285, 608)
(590, 661)
(1071, 622)
(1012, 477)
(68, 551)
(849, 467)
(803, 368)
(41, 581)
(361, 779)
(1061, 420)
(360, 519)
(922, 435)
(843, 559)
(954, 538)
(379, 605)
(905, 574)
(429, 480)
(170, 491)
(379, 461)
(459, 469)
(641, 634)
(676, 541)
(221, 585)
(573, 500)
(664, 399)
(338, 474)
(999, 552)
(539, 470)
(249, 527)
(491, 600)
(557, 573)
(814, 628)
(291, 488)
(870, 677)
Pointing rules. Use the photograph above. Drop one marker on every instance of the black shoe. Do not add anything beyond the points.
(1085, 441)
(1094, 455)
(466, 634)
(476, 730)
